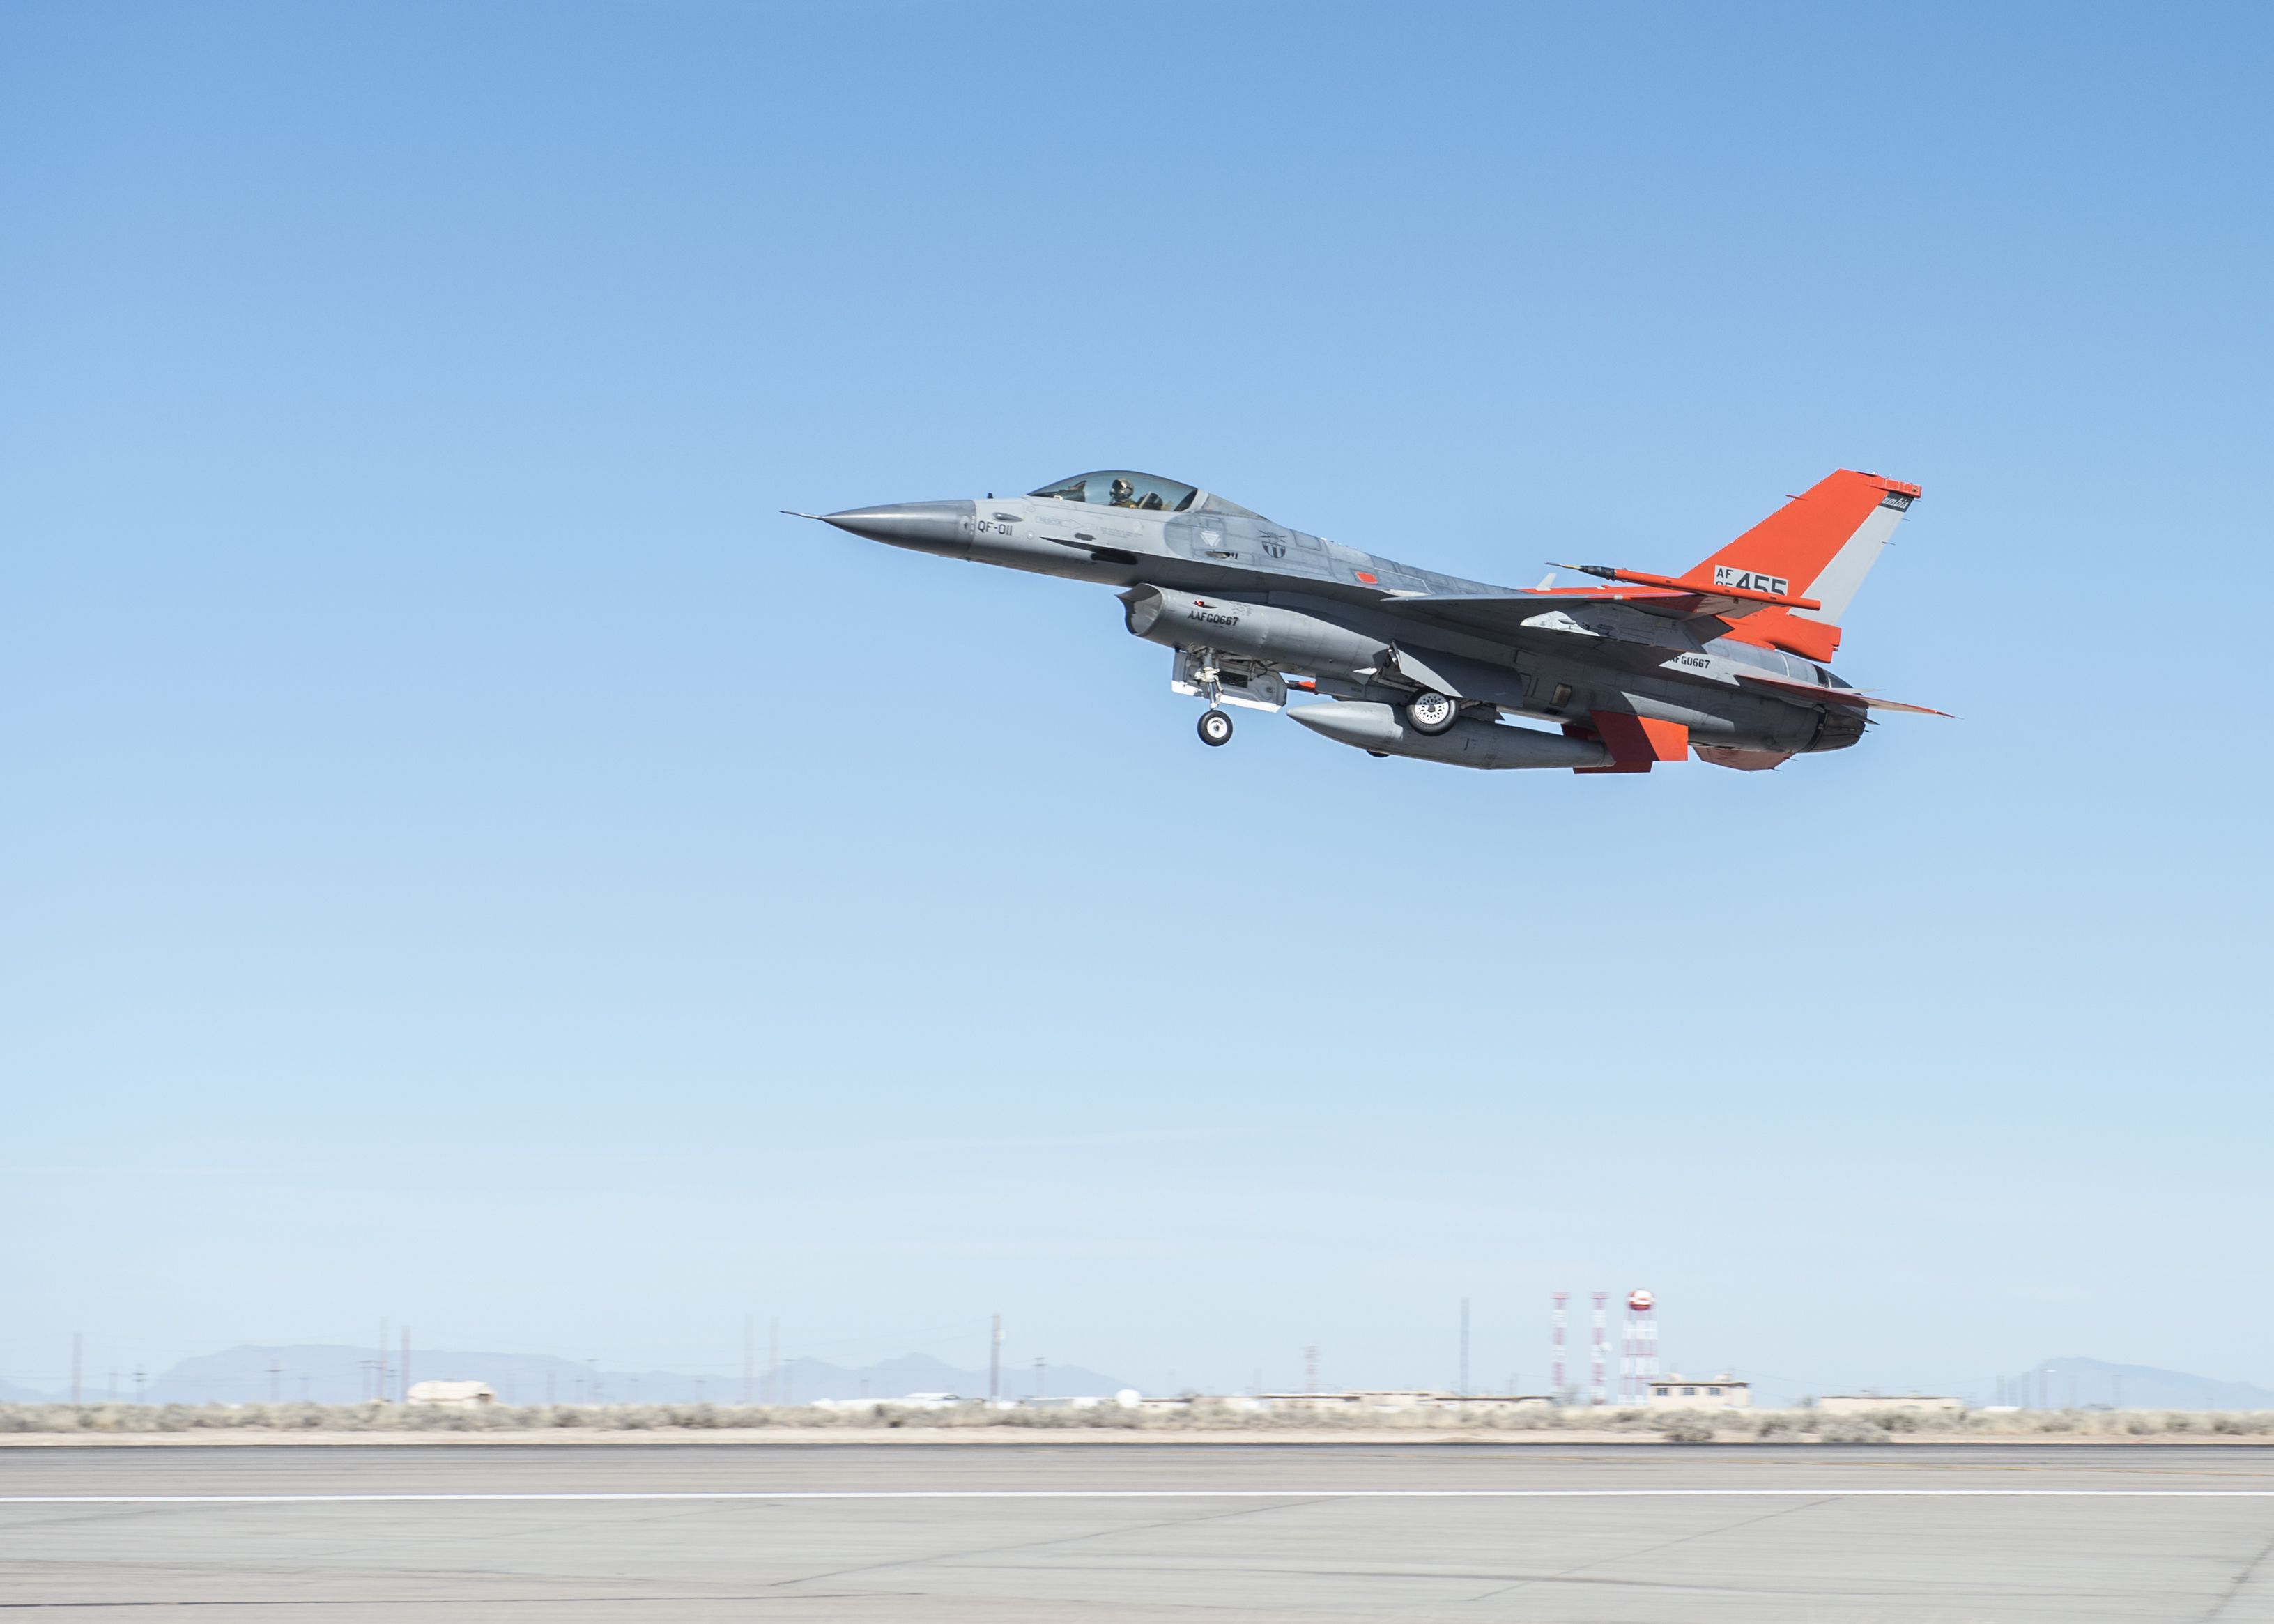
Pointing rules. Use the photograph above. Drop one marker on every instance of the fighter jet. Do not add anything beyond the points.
(1730, 659)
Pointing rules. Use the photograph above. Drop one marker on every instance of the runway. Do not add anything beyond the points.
(1241, 1533)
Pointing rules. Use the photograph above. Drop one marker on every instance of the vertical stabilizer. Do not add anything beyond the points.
(1819, 545)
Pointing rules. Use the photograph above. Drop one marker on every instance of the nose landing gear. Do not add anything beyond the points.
(1215, 726)
(1226, 684)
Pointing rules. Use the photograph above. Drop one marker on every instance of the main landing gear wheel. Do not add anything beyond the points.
(1216, 727)
(1430, 712)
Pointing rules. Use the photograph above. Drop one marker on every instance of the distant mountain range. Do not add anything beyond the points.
(337, 1374)
(333, 1375)
(2066, 1383)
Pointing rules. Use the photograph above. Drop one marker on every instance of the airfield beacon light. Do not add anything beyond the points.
(1595, 1393)
(1556, 1342)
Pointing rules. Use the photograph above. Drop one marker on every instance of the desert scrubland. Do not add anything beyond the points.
(26, 1424)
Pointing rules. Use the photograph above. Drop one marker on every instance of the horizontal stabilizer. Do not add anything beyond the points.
(1854, 698)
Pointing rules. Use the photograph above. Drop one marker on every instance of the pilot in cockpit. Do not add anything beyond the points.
(1125, 494)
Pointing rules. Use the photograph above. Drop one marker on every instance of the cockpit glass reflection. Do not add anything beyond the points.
(1123, 488)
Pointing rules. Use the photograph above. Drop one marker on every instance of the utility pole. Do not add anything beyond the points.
(1464, 1348)
(138, 1384)
(1310, 1368)
(275, 1371)
(995, 1361)
(406, 1365)
(773, 1361)
(1595, 1391)
(749, 1357)
(79, 1349)
(1041, 1378)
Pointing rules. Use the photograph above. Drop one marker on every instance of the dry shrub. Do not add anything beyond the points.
(1201, 1416)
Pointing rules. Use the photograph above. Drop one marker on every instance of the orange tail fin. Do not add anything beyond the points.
(1821, 545)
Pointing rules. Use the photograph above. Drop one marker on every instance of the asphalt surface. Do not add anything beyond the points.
(1103, 1534)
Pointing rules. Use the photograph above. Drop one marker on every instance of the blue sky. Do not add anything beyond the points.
(469, 860)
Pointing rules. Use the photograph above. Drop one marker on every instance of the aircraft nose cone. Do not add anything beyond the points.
(929, 527)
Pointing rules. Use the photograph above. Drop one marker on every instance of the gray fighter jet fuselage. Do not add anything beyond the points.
(1631, 669)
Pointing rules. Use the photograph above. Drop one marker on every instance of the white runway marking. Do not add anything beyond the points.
(866, 1494)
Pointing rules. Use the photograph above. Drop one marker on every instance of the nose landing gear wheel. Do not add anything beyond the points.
(1431, 712)
(1216, 727)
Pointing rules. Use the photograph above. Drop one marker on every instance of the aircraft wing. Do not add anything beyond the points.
(1502, 613)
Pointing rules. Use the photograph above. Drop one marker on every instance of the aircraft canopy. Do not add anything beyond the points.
(1121, 487)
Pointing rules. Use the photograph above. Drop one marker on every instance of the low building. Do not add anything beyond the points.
(1397, 1398)
(1722, 1392)
(1861, 1403)
(452, 1394)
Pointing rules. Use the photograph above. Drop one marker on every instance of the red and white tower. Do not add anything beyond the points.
(1556, 1345)
(1640, 1364)
(1596, 1393)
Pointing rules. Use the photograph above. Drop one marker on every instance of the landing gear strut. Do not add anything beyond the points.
(1215, 726)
